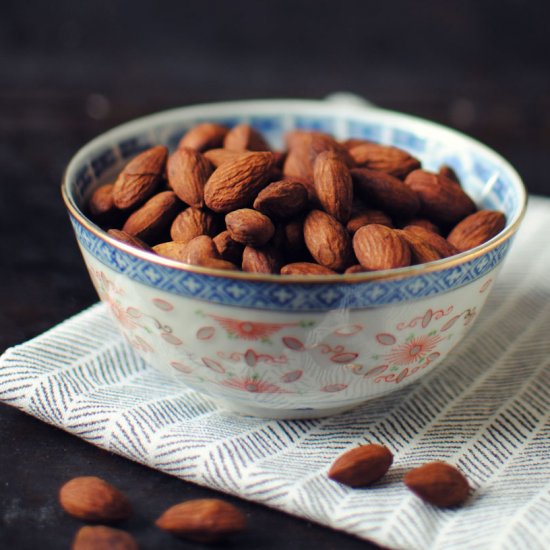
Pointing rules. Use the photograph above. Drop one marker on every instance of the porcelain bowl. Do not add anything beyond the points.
(294, 346)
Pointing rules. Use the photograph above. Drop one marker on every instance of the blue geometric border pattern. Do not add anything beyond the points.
(288, 296)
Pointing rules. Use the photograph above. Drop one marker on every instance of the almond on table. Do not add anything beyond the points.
(319, 207)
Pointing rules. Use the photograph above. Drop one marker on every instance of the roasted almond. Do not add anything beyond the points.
(249, 227)
(243, 137)
(447, 172)
(443, 247)
(99, 537)
(101, 206)
(441, 200)
(191, 223)
(421, 250)
(476, 229)
(424, 223)
(282, 199)
(93, 499)
(217, 263)
(439, 484)
(124, 237)
(384, 158)
(361, 466)
(385, 192)
(200, 250)
(266, 259)
(380, 247)
(139, 179)
(236, 183)
(202, 520)
(359, 218)
(188, 172)
(204, 136)
(229, 249)
(306, 268)
(327, 240)
(173, 250)
(150, 220)
(357, 268)
(333, 185)
(216, 157)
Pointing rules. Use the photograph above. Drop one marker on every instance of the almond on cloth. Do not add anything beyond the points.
(203, 520)
(91, 498)
(476, 229)
(99, 537)
(439, 484)
(207, 135)
(235, 184)
(139, 179)
(249, 227)
(188, 172)
(361, 466)
(327, 240)
(380, 247)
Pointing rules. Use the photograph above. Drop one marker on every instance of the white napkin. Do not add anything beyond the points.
(485, 410)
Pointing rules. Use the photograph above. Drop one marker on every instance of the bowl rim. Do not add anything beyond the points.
(275, 106)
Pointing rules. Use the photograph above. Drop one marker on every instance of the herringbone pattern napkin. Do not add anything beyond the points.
(486, 410)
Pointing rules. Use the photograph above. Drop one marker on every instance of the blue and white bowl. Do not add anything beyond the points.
(294, 346)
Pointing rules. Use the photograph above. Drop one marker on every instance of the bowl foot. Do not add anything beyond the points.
(239, 409)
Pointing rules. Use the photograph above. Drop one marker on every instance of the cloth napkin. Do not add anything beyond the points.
(486, 410)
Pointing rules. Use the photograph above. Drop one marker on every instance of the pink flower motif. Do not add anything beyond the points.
(253, 385)
(248, 330)
(413, 351)
(121, 315)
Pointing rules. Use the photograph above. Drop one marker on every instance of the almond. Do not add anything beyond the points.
(443, 247)
(218, 263)
(386, 192)
(243, 137)
(236, 183)
(421, 250)
(380, 247)
(447, 172)
(229, 249)
(101, 206)
(191, 223)
(148, 222)
(282, 199)
(438, 483)
(261, 260)
(139, 178)
(293, 245)
(365, 217)
(424, 223)
(384, 158)
(327, 240)
(188, 172)
(200, 250)
(476, 229)
(350, 143)
(333, 185)
(306, 268)
(441, 200)
(124, 237)
(357, 268)
(361, 466)
(100, 537)
(173, 250)
(216, 157)
(93, 499)
(249, 227)
(204, 136)
(202, 520)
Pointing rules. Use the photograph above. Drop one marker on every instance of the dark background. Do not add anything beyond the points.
(71, 70)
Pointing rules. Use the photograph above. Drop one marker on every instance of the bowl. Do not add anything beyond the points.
(294, 346)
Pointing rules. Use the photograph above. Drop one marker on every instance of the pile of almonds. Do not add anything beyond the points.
(223, 200)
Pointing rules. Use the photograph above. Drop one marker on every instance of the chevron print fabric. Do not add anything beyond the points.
(485, 410)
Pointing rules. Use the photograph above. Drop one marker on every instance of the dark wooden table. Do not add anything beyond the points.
(70, 71)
